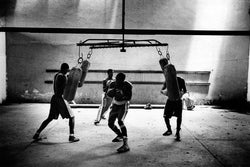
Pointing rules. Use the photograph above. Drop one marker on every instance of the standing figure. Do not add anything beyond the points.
(121, 92)
(59, 105)
(174, 108)
(106, 101)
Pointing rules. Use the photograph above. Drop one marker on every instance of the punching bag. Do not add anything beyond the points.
(85, 67)
(169, 72)
(163, 62)
(72, 83)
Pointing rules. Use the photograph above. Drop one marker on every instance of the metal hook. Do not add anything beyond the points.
(80, 60)
(89, 53)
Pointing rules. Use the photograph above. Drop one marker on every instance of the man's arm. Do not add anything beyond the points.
(182, 85)
(163, 89)
(124, 93)
(164, 86)
(104, 86)
(128, 92)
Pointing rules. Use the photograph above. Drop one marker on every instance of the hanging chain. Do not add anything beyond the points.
(80, 58)
(159, 51)
(89, 53)
(167, 54)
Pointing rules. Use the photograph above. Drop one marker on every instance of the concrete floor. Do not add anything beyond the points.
(210, 137)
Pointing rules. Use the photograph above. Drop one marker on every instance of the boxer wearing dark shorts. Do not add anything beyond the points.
(121, 92)
(58, 105)
(174, 108)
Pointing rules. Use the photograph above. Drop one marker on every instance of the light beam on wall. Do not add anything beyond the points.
(114, 14)
(205, 51)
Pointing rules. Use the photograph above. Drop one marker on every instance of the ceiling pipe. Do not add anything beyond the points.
(123, 25)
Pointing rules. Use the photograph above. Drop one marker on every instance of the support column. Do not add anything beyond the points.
(248, 80)
(3, 84)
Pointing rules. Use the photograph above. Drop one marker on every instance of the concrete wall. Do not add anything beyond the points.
(227, 57)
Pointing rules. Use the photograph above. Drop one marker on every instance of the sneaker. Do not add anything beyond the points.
(36, 136)
(73, 139)
(96, 122)
(178, 137)
(167, 133)
(117, 139)
(191, 107)
(102, 117)
(123, 148)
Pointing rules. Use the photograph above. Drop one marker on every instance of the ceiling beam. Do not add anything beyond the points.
(125, 31)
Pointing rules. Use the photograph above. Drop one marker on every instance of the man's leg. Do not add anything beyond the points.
(99, 113)
(123, 128)
(121, 116)
(178, 128)
(72, 138)
(168, 110)
(43, 125)
(125, 146)
(67, 112)
(53, 114)
(179, 120)
(98, 118)
(106, 102)
(112, 126)
(106, 106)
(169, 131)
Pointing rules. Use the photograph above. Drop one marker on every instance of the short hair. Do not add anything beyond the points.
(110, 70)
(64, 66)
(120, 77)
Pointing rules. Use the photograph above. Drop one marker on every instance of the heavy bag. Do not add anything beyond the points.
(72, 83)
(163, 62)
(171, 79)
(85, 67)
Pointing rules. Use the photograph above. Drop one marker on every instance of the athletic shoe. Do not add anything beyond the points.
(73, 139)
(102, 117)
(36, 136)
(123, 148)
(117, 139)
(167, 133)
(96, 122)
(191, 107)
